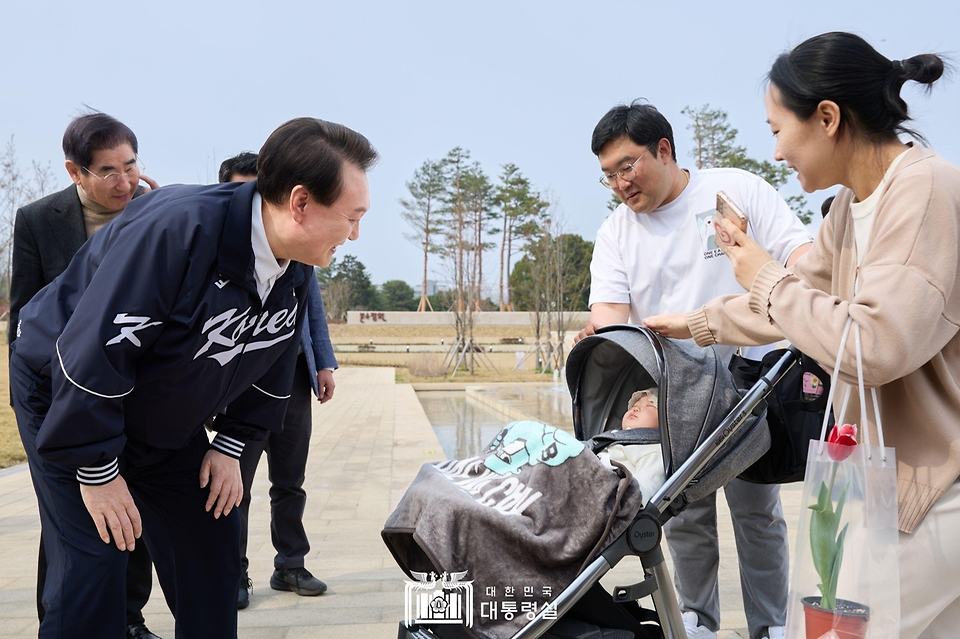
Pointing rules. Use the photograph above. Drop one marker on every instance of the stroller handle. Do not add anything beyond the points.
(676, 484)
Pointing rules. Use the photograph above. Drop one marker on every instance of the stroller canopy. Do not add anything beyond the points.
(696, 391)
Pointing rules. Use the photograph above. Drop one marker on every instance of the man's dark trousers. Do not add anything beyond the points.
(139, 582)
(195, 554)
(287, 459)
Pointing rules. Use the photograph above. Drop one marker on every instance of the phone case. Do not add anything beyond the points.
(726, 208)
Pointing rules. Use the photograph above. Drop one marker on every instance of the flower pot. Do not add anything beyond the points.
(848, 620)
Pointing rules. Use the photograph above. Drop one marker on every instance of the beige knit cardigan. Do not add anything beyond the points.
(907, 307)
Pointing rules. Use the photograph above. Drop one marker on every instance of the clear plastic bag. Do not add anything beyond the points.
(849, 517)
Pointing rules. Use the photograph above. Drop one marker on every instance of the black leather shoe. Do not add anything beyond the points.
(243, 595)
(139, 631)
(298, 580)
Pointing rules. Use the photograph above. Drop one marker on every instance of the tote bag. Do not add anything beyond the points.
(845, 582)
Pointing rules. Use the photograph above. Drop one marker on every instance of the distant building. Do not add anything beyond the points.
(432, 288)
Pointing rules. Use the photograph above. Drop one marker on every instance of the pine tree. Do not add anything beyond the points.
(422, 212)
(517, 205)
(479, 201)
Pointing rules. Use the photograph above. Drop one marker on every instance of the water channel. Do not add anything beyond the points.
(466, 421)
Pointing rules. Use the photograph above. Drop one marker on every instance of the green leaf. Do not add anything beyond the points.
(823, 536)
(829, 600)
(822, 499)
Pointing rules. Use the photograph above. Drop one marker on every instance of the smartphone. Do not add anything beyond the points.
(727, 209)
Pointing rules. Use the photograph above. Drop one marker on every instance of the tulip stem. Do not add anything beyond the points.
(833, 477)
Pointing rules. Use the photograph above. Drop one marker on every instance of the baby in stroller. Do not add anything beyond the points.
(643, 457)
(538, 509)
(642, 411)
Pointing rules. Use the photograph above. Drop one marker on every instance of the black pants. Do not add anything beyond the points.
(195, 555)
(139, 582)
(287, 460)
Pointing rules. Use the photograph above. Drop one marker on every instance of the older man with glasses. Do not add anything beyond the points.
(101, 159)
(657, 253)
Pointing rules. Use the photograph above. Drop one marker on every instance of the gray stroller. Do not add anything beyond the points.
(709, 433)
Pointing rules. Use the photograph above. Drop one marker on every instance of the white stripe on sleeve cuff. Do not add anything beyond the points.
(228, 445)
(98, 475)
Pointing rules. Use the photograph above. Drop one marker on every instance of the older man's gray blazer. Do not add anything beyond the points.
(46, 235)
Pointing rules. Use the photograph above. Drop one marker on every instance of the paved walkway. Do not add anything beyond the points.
(367, 446)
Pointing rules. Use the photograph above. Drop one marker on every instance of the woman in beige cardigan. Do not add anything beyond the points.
(888, 255)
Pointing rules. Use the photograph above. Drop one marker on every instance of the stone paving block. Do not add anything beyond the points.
(364, 630)
(262, 633)
(292, 615)
(17, 627)
(18, 607)
(17, 502)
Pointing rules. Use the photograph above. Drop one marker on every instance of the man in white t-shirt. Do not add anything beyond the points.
(657, 253)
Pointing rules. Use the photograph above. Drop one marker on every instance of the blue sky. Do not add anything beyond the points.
(521, 82)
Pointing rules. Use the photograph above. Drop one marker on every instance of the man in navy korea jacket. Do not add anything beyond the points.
(185, 306)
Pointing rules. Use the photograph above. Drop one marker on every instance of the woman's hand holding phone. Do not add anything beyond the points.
(726, 209)
(746, 256)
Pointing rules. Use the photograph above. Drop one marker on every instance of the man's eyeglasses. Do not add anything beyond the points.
(627, 173)
(113, 179)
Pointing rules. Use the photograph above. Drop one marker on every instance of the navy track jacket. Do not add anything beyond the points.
(156, 326)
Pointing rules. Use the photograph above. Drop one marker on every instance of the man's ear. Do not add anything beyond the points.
(297, 204)
(828, 117)
(664, 150)
(74, 170)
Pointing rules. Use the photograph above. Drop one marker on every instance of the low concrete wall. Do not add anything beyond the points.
(412, 318)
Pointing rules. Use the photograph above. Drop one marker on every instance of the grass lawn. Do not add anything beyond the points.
(480, 376)
(11, 450)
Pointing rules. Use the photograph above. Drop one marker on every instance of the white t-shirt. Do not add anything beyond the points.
(668, 261)
(862, 212)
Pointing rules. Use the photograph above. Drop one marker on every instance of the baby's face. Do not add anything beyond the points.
(642, 415)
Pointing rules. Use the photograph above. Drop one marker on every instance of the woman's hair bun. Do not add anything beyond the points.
(925, 68)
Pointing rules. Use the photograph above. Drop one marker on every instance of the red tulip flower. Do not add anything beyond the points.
(841, 442)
